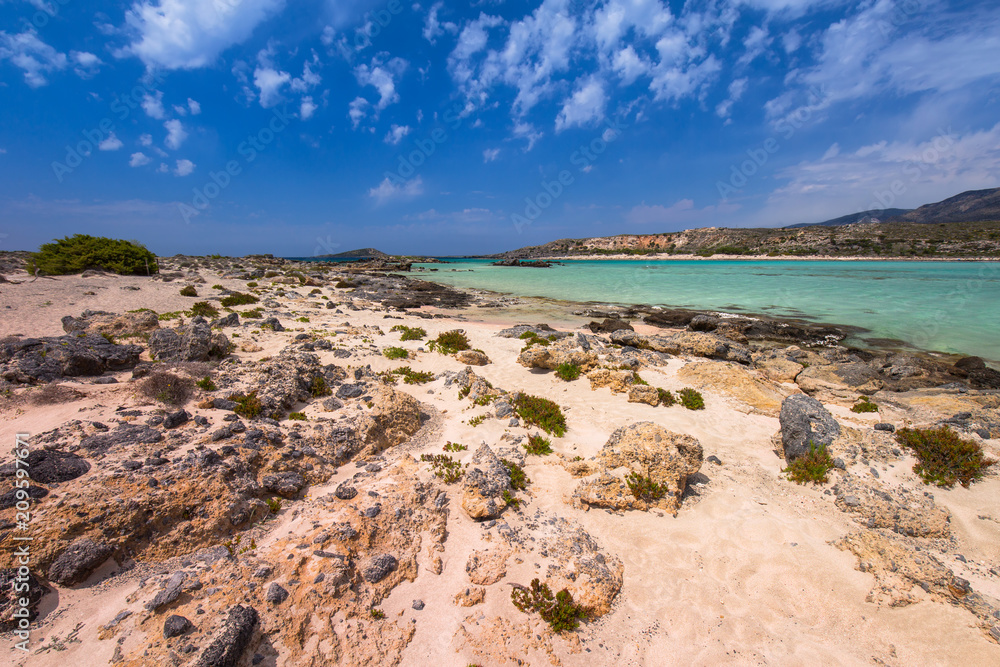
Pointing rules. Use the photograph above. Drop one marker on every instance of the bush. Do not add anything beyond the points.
(666, 398)
(302, 319)
(450, 342)
(319, 388)
(80, 252)
(644, 488)
(864, 404)
(559, 611)
(204, 309)
(238, 299)
(568, 372)
(395, 353)
(189, 290)
(410, 333)
(476, 421)
(454, 447)
(206, 384)
(345, 284)
(944, 458)
(532, 338)
(541, 412)
(167, 388)
(518, 480)
(538, 446)
(810, 467)
(254, 314)
(247, 405)
(411, 376)
(218, 287)
(297, 416)
(445, 467)
(691, 399)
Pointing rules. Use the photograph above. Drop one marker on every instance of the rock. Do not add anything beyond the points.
(171, 591)
(53, 466)
(11, 498)
(979, 374)
(230, 320)
(35, 360)
(855, 376)
(78, 562)
(610, 325)
(896, 509)
(472, 358)
(418, 605)
(471, 596)
(486, 479)
(237, 632)
(272, 323)
(581, 468)
(350, 391)
(503, 409)
(224, 404)
(175, 419)
(345, 490)
(118, 326)
(703, 323)
(125, 435)
(736, 381)
(804, 422)
(176, 626)
(643, 393)
(487, 567)
(780, 369)
(332, 404)
(553, 356)
(543, 330)
(192, 342)
(276, 594)
(691, 343)
(378, 568)
(618, 381)
(394, 417)
(889, 428)
(285, 484)
(650, 450)
(10, 601)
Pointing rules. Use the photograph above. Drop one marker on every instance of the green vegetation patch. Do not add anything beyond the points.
(943, 458)
(238, 299)
(691, 399)
(297, 416)
(189, 291)
(410, 333)
(411, 376)
(77, 253)
(395, 353)
(519, 481)
(644, 488)
(558, 610)
(541, 412)
(247, 405)
(167, 388)
(206, 383)
(666, 397)
(454, 447)
(445, 467)
(864, 404)
(318, 387)
(203, 309)
(810, 467)
(538, 446)
(450, 342)
(567, 372)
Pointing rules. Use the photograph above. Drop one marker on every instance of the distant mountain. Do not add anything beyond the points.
(862, 218)
(360, 253)
(971, 206)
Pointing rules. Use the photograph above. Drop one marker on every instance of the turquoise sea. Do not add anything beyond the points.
(949, 307)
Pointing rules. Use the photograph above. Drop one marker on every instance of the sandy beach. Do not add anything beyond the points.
(753, 569)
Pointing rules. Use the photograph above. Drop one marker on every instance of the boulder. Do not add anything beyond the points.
(486, 479)
(855, 376)
(285, 484)
(78, 562)
(100, 322)
(610, 325)
(393, 418)
(176, 626)
(643, 393)
(804, 422)
(175, 419)
(979, 374)
(171, 591)
(35, 360)
(10, 601)
(229, 646)
(276, 593)
(487, 566)
(780, 369)
(193, 342)
(230, 320)
(472, 358)
(736, 381)
(552, 356)
(690, 343)
(53, 466)
(618, 381)
(378, 568)
(651, 451)
(897, 509)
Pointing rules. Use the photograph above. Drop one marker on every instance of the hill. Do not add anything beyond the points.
(864, 217)
(360, 253)
(971, 206)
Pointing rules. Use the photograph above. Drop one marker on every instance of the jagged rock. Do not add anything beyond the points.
(175, 419)
(11, 498)
(804, 422)
(192, 342)
(610, 325)
(618, 381)
(896, 509)
(350, 391)
(690, 343)
(487, 567)
(230, 320)
(276, 594)
(855, 376)
(272, 323)
(643, 393)
(472, 358)
(393, 418)
(285, 484)
(779, 369)
(123, 436)
(34, 360)
(485, 482)
(176, 626)
(736, 381)
(378, 568)
(543, 330)
(10, 601)
(979, 374)
(552, 356)
(471, 596)
(345, 490)
(100, 322)
(286, 379)
(237, 632)
(52, 466)
(650, 450)
(78, 562)
(171, 591)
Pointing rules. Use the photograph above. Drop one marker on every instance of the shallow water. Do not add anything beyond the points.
(949, 307)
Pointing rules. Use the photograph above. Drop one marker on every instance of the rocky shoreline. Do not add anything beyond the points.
(302, 465)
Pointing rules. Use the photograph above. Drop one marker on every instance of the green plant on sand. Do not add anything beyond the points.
(450, 342)
(558, 610)
(811, 466)
(541, 412)
(943, 458)
(77, 253)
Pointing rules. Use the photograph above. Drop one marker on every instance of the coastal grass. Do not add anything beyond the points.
(395, 353)
(559, 610)
(644, 488)
(944, 458)
(810, 467)
(519, 481)
(455, 447)
(203, 309)
(319, 388)
(450, 342)
(864, 404)
(410, 333)
(238, 299)
(444, 467)
(297, 416)
(567, 372)
(247, 405)
(411, 376)
(541, 412)
(77, 253)
(538, 446)
(206, 384)
(167, 388)
(691, 399)
(666, 397)
(189, 290)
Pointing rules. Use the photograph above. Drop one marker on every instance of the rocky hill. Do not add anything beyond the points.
(971, 206)
(873, 215)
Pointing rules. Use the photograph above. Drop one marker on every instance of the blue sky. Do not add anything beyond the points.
(301, 128)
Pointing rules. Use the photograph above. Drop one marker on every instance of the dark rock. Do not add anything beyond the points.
(155, 420)
(221, 433)
(839, 464)
(350, 391)
(223, 404)
(968, 364)
(885, 427)
(341, 353)
(78, 562)
(192, 342)
(703, 323)
(201, 420)
(332, 404)
(275, 593)
(418, 605)
(35, 360)
(52, 466)
(123, 436)
(536, 264)
(804, 422)
(10, 600)
(345, 491)
(176, 626)
(714, 459)
(285, 484)
(230, 320)
(237, 632)
(503, 409)
(131, 465)
(175, 419)
(609, 324)
(170, 592)
(9, 499)
(272, 323)
(106, 380)
(378, 568)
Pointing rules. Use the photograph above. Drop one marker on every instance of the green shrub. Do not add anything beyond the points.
(541, 412)
(559, 611)
(644, 488)
(254, 314)
(377, 614)
(319, 388)
(218, 287)
(345, 284)
(297, 416)
(271, 274)
(666, 397)
(238, 299)
(203, 309)
(518, 480)
(538, 446)
(410, 333)
(273, 504)
(315, 290)
(167, 388)
(189, 290)
(395, 353)
(943, 458)
(302, 319)
(411, 376)
(691, 399)
(864, 404)
(810, 467)
(247, 405)
(532, 338)
(77, 253)
(568, 372)
(206, 384)
(445, 467)
(450, 342)
(476, 421)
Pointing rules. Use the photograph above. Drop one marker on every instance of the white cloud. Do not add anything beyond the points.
(111, 143)
(529, 133)
(307, 108)
(3, 151)
(268, 79)
(629, 66)
(396, 134)
(87, 64)
(388, 190)
(153, 105)
(138, 160)
(490, 154)
(187, 34)
(357, 110)
(736, 89)
(35, 58)
(194, 106)
(309, 78)
(146, 139)
(163, 168)
(381, 76)
(679, 214)
(831, 152)
(756, 42)
(176, 134)
(584, 107)
(433, 28)
(184, 167)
